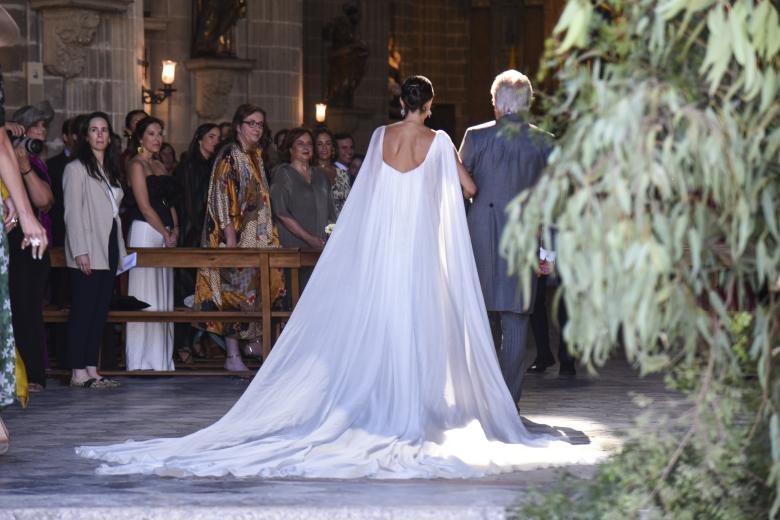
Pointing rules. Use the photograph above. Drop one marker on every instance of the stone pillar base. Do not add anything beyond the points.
(215, 79)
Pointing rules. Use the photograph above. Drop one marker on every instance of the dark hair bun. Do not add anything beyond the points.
(415, 92)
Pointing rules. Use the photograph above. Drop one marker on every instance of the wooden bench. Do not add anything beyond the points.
(261, 259)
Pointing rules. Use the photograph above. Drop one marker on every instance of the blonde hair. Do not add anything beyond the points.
(511, 92)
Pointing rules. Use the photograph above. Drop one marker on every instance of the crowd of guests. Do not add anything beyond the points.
(237, 185)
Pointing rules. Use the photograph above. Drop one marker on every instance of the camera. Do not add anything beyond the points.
(33, 146)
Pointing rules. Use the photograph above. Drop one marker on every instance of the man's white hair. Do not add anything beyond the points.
(512, 92)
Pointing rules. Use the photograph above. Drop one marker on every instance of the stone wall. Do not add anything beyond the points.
(267, 71)
(433, 39)
(272, 37)
(115, 48)
(112, 47)
(88, 56)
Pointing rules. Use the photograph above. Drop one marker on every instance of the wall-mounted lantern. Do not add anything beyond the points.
(168, 76)
(320, 111)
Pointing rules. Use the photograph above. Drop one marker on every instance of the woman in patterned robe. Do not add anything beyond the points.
(238, 214)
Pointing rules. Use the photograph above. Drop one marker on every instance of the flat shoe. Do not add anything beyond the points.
(108, 383)
(101, 383)
(89, 383)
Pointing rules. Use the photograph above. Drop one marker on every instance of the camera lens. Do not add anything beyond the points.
(32, 146)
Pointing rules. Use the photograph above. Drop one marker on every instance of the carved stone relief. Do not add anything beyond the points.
(69, 27)
(214, 81)
(68, 33)
(213, 93)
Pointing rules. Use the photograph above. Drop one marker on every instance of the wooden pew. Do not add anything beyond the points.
(262, 259)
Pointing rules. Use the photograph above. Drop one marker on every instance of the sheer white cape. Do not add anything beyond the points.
(386, 368)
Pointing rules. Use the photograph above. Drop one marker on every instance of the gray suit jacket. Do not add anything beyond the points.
(89, 216)
(504, 157)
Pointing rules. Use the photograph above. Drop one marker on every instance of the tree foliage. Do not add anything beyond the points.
(664, 194)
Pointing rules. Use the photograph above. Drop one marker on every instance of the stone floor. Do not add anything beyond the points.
(41, 477)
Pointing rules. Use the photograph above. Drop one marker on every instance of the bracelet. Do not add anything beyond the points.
(25, 173)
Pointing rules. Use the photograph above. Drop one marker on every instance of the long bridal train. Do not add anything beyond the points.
(386, 368)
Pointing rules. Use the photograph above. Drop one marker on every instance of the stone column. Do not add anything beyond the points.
(167, 34)
(272, 38)
(93, 46)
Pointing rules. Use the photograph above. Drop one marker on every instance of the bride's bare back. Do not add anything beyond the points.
(406, 145)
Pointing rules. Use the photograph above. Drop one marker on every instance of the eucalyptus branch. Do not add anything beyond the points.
(706, 380)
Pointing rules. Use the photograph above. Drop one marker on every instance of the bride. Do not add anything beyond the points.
(387, 367)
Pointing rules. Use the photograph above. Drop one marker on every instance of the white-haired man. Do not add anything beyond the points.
(504, 157)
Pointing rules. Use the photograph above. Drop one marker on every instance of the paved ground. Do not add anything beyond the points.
(41, 477)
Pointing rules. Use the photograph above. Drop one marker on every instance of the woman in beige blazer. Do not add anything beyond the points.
(94, 246)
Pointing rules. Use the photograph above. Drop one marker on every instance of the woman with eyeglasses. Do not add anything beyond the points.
(302, 197)
(238, 214)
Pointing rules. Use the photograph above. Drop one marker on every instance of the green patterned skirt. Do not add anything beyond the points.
(7, 350)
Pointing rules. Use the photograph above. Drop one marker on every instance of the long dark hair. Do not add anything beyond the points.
(138, 134)
(87, 157)
(200, 132)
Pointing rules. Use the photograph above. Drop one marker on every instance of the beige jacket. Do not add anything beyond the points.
(88, 215)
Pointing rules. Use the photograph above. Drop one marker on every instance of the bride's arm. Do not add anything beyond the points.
(466, 182)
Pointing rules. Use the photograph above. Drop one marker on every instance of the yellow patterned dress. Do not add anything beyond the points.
(238, 194)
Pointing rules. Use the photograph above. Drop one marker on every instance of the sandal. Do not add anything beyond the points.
(89, 383)
(108, 383)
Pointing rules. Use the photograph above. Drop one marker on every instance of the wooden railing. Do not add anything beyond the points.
(261, 259)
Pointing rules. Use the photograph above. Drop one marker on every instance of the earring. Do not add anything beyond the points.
(140, 149)
(403, 112)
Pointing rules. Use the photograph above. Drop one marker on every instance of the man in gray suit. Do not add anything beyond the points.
(505, 157)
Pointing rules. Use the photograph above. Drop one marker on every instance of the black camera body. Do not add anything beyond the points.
(32, 146)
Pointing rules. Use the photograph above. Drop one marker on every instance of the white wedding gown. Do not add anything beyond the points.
(386, 368)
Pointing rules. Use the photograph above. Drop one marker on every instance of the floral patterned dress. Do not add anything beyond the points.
(238, 194)
(340, 189)
(7, 345)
